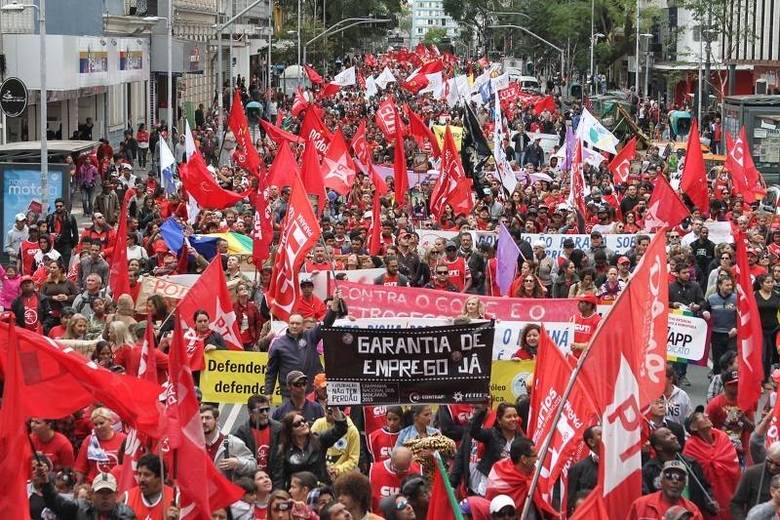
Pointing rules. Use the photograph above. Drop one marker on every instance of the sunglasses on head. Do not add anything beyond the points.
(401, 505)
(283, 506)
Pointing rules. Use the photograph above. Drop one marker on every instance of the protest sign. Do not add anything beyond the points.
(379, 301)
(508, 380)
(170, 291)
(687, 338)
(618, 243)
(449, 364)
(505, 340)
(232, 377)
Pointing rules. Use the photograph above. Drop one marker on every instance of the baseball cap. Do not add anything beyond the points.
(319, 381)
(97, 214)
(624, 260)
(20, 216)
(677, 513)
(306, 281)
(26, 278)
(589, 298)
(729, 376)
(104, 481)
(568, 242)
(450, 245)
(675, 465)
(295, 376)
(500, 502)
(595, 234)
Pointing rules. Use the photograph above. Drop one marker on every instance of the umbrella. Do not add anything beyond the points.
(254, 104)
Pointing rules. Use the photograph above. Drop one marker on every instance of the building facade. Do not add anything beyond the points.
(427, 15)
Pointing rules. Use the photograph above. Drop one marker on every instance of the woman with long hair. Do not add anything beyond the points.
(497, 440)
(422, 416)
(104, 357)
(45, 251)
(473, 309)
(567, 276)
(428, 265)
(77, 327)
(100, 450)
(157, 309)
(302, 450)
(529, 342)
(526, 286)
(586, 285)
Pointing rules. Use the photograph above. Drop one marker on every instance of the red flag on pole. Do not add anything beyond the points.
(311, 171)
(299, 234)
(240, 127)
(200, 184)
(263, 225)
(665, 208)
(452, 186)
(338, 166)
(118, 277)
(399, 167)
(593, 507)
(313, 76)
(375, 233)
(14, 446)
(278, 135)
(363, 153)
(420, 132)
(621, 164)
(624, 369)
(203, 488)
(386, 119)
(749, 334)
(694, 177)
(577, 189)
(744, 173)
(300, 103)
(546, 103)
(210, 293)
(314, 129)
(284, 167)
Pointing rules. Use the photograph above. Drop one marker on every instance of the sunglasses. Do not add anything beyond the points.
(725, 258)
(298, 424)
(443, 272)
(674, 476)
(283, 506)
(299, 383)
(400, 506)
(265, 409)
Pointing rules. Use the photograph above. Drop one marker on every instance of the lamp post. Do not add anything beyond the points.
(337, 28)
(647, 62)
(593, 39)
(169, 29)
(17, 7)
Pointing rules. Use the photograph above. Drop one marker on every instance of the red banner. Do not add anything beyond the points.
(385, 118)
(313, 128)
(379, 301)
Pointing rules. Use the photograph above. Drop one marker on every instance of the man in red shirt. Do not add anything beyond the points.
(674, 477)
(53, 444)
(460, 274)
(318, 262)
(27, 306)
(150, 499)
(585, 323)
(391, 277)
(727, 416)
(386, 476)
(260, 433)
(309, 305)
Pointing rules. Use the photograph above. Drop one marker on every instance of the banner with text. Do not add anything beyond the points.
(450, 364)
(618, 243)
(380, 301)
(231, 376)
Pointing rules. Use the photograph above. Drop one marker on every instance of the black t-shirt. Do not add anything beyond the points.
(767, 309)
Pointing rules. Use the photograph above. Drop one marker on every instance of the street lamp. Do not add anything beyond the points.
(336, 28)
(16, 7)
(594, 38)
(512, 26)
(647, 62)
(169, 28)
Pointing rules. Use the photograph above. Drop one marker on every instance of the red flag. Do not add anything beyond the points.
(280, 114)
(439, 505)
(665, 208)
(749, 335)
(361, 81)
(118, 278)
(328, 91)
(14, 446)
(313, 128)
(509, 94)
(283, 168)
(240, 128)
(210, 293)
(577, 189)
(301, 231)
(338, 166)
(399, 167)
(420, 131)
(313, 76)
(593, 507)
(546, 103)
(375, 233)
(363, 153)
(452, 186)
(300, 103)
(743, 170)
(621, 164)
(200, 184)
(51, 369)
(203, 488)
(278, 135)
(311, 171)
(415, 84)
(552, 376)
(624, 370)
(385, 118)
(694, 177)
(263, 228)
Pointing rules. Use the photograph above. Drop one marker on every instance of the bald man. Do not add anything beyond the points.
(753, 488)
(386, 476)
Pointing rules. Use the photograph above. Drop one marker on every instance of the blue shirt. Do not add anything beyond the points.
(311, 411)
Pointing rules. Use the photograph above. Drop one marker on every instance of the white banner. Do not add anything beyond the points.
(618, 243)
(687, 337)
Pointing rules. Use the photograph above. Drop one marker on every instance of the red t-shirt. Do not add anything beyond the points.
(261, 512)
(386, 482)
(31, 319)
(58, 449)
(380, 443)
(263, 442)
(459, 272)
(584, 329)
(391, 281)
(90, 468)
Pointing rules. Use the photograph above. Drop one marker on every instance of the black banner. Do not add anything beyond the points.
(448, 364)
(13, 97)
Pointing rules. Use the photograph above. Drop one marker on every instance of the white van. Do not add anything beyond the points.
(527, 83)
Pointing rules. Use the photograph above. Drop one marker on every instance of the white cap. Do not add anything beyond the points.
(105, 481)
(539, 243)
(20, 217)
(500, 502)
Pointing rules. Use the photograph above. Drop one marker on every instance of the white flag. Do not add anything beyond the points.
(452, 92)
(167, 167)
(500, 82)
(435, 85)
(384, 78)
(189, 142)
(371, 89)
(593, 132)
(504, 169)
(345, 78)
(592, 157)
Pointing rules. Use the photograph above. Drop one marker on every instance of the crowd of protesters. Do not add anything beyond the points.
(306, 459)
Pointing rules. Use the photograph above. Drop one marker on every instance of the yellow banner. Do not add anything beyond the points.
(456, 131)
(232, 377)
(507, 379)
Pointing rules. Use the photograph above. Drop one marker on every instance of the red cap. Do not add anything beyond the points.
(26, 278)
(589, 298)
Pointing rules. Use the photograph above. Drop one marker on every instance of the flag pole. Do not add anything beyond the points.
(446, 481)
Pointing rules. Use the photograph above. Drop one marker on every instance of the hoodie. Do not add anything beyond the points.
(11, 288)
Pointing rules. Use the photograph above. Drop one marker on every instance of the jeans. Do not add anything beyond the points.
(86, 199)
(142, 157)
(721, 342)
(770, 356)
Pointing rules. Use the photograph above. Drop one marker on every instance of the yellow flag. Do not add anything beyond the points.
(457, 134)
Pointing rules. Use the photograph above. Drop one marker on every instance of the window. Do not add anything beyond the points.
(419, 30)
(430, 21)
(444, 22)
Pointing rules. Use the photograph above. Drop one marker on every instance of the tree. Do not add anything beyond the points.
(434, 36)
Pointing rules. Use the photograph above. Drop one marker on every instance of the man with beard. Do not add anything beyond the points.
(674, 478)
(260, 433)
(391, 277)
(667, 448)
(150, 498)
(753, 488)
(63, 227)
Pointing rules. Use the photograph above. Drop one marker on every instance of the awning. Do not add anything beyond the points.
(30, 151)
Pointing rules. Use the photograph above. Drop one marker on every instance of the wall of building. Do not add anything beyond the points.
(429, 14)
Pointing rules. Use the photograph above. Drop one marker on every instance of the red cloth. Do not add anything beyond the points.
(249, 158)
(720, 465)
(718, 410)
(90, 468)
(694, 177)
(399, 166)
(439, 506)
(118, 278)
(385, 481)
(58, 449)
(653, 506)
(311, 174)
(505, 479)
(199, 183)
(311, 307)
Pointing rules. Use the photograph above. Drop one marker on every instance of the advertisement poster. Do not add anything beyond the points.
(21, 186)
